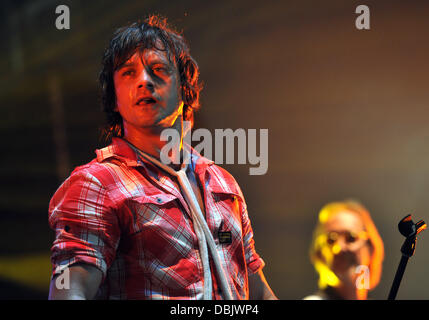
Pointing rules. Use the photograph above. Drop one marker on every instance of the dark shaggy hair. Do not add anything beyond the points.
(139, 36)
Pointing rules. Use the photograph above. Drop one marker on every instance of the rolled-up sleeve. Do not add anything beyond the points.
(85, 223)
(253, 260)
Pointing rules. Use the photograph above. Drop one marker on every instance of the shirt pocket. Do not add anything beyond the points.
(165, 241)
(228, 207)
(162, 227)
(159, 210)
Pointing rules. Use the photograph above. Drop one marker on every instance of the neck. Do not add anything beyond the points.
(149, 140)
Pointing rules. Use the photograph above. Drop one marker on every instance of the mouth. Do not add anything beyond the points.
(344, 261)
(146, 101)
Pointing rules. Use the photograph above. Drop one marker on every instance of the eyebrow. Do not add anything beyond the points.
(126, 64)
(159, 61)
(154, 61)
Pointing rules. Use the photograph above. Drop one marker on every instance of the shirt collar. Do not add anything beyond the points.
(119, 149)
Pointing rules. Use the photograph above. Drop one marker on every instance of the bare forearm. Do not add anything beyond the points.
(83, 283)
(259, 288)
(65, 294)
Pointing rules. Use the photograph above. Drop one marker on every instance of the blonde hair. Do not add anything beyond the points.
(318, 245)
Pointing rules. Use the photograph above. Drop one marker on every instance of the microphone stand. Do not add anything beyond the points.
(410, 231)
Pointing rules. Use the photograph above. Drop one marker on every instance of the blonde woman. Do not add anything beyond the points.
(346, 251)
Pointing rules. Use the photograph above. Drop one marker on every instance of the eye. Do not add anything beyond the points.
(159, 68)
(332, 237)
(128, 72)
(351, 237)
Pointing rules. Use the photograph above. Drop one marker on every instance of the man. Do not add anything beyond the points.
(130, 227)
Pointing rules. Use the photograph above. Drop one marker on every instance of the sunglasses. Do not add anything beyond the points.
(349, 236)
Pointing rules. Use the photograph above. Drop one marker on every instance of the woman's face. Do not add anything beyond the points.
(347, 242)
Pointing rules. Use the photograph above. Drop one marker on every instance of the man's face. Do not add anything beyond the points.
(347, 241)
(147, 88)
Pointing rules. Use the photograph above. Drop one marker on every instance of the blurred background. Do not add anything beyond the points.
(347, 112)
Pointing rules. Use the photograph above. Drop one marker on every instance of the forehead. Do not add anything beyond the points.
(147, 56)
(344, 220)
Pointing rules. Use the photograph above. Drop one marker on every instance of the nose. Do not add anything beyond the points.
(339, 246)
(145, 81)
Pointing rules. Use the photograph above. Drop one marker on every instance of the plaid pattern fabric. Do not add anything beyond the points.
(128, 218)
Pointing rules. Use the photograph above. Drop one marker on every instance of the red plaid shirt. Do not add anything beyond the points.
(128, 218)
